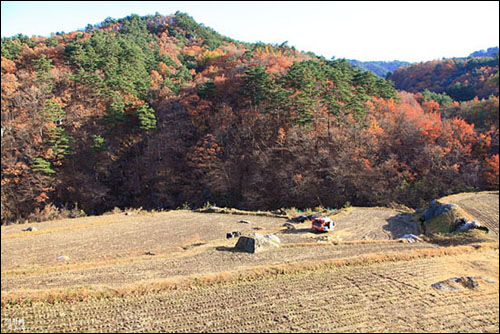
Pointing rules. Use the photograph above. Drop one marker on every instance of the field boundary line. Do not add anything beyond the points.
(80, 293)
(57, 268)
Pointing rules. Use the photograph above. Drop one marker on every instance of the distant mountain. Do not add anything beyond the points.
(380, 68)
(460, 78)
(490, 52)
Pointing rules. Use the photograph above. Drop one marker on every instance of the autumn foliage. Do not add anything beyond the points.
(160, 111)
(462, 79)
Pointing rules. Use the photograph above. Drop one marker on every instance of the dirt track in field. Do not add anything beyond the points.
(393, 297)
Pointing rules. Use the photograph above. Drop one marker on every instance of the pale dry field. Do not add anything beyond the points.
(390, 297)
(175, 271)
(483, 207)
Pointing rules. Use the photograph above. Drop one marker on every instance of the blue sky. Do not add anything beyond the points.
(411, 31)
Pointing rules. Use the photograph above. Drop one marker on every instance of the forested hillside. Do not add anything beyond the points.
(160, 112)
(460, 78)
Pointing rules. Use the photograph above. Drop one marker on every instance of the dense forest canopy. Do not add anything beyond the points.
(160, 111)
(462, 79)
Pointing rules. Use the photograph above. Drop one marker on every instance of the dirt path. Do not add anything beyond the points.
(392, 297)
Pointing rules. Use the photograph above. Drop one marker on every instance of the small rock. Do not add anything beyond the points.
(443, 286)
(213, 209)
(63, 258)
(471, 283)
(234, 234)
(258, 228)
(244, 221)
(299, 219)
(289, 226)
(411, 238)
(31, 229)
(273, 237)
(149, 253)
(486, 279)
(128, 213)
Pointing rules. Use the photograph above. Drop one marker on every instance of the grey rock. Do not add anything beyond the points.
(314, 216)
(211, 209)
(486, 279)
(443, 286)
(30, 229)
(299, 219)
(255, 243)
(437, 210)
(471, 283)
(273, 237)
(411, 238)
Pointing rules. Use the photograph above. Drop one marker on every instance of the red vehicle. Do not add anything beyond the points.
(322, 224)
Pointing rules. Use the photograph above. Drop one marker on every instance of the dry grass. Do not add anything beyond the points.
(393, 296)
(249, 274)
(202, 284)
(443, 223)
(457, 197)
(112, 237)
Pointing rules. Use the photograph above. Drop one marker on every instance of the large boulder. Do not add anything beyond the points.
(437, 209)
(255, 243)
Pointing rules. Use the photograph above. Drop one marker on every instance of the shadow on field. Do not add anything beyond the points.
(228, 249)
(297, 231)
(400, 225)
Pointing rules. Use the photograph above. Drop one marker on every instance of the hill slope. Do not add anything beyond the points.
(462, 79)
(161, 112)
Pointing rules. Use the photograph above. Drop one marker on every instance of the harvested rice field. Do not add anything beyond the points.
(176, 272)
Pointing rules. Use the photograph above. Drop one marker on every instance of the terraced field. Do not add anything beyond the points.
(176, 272)
(394, 297)
(483, 207)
